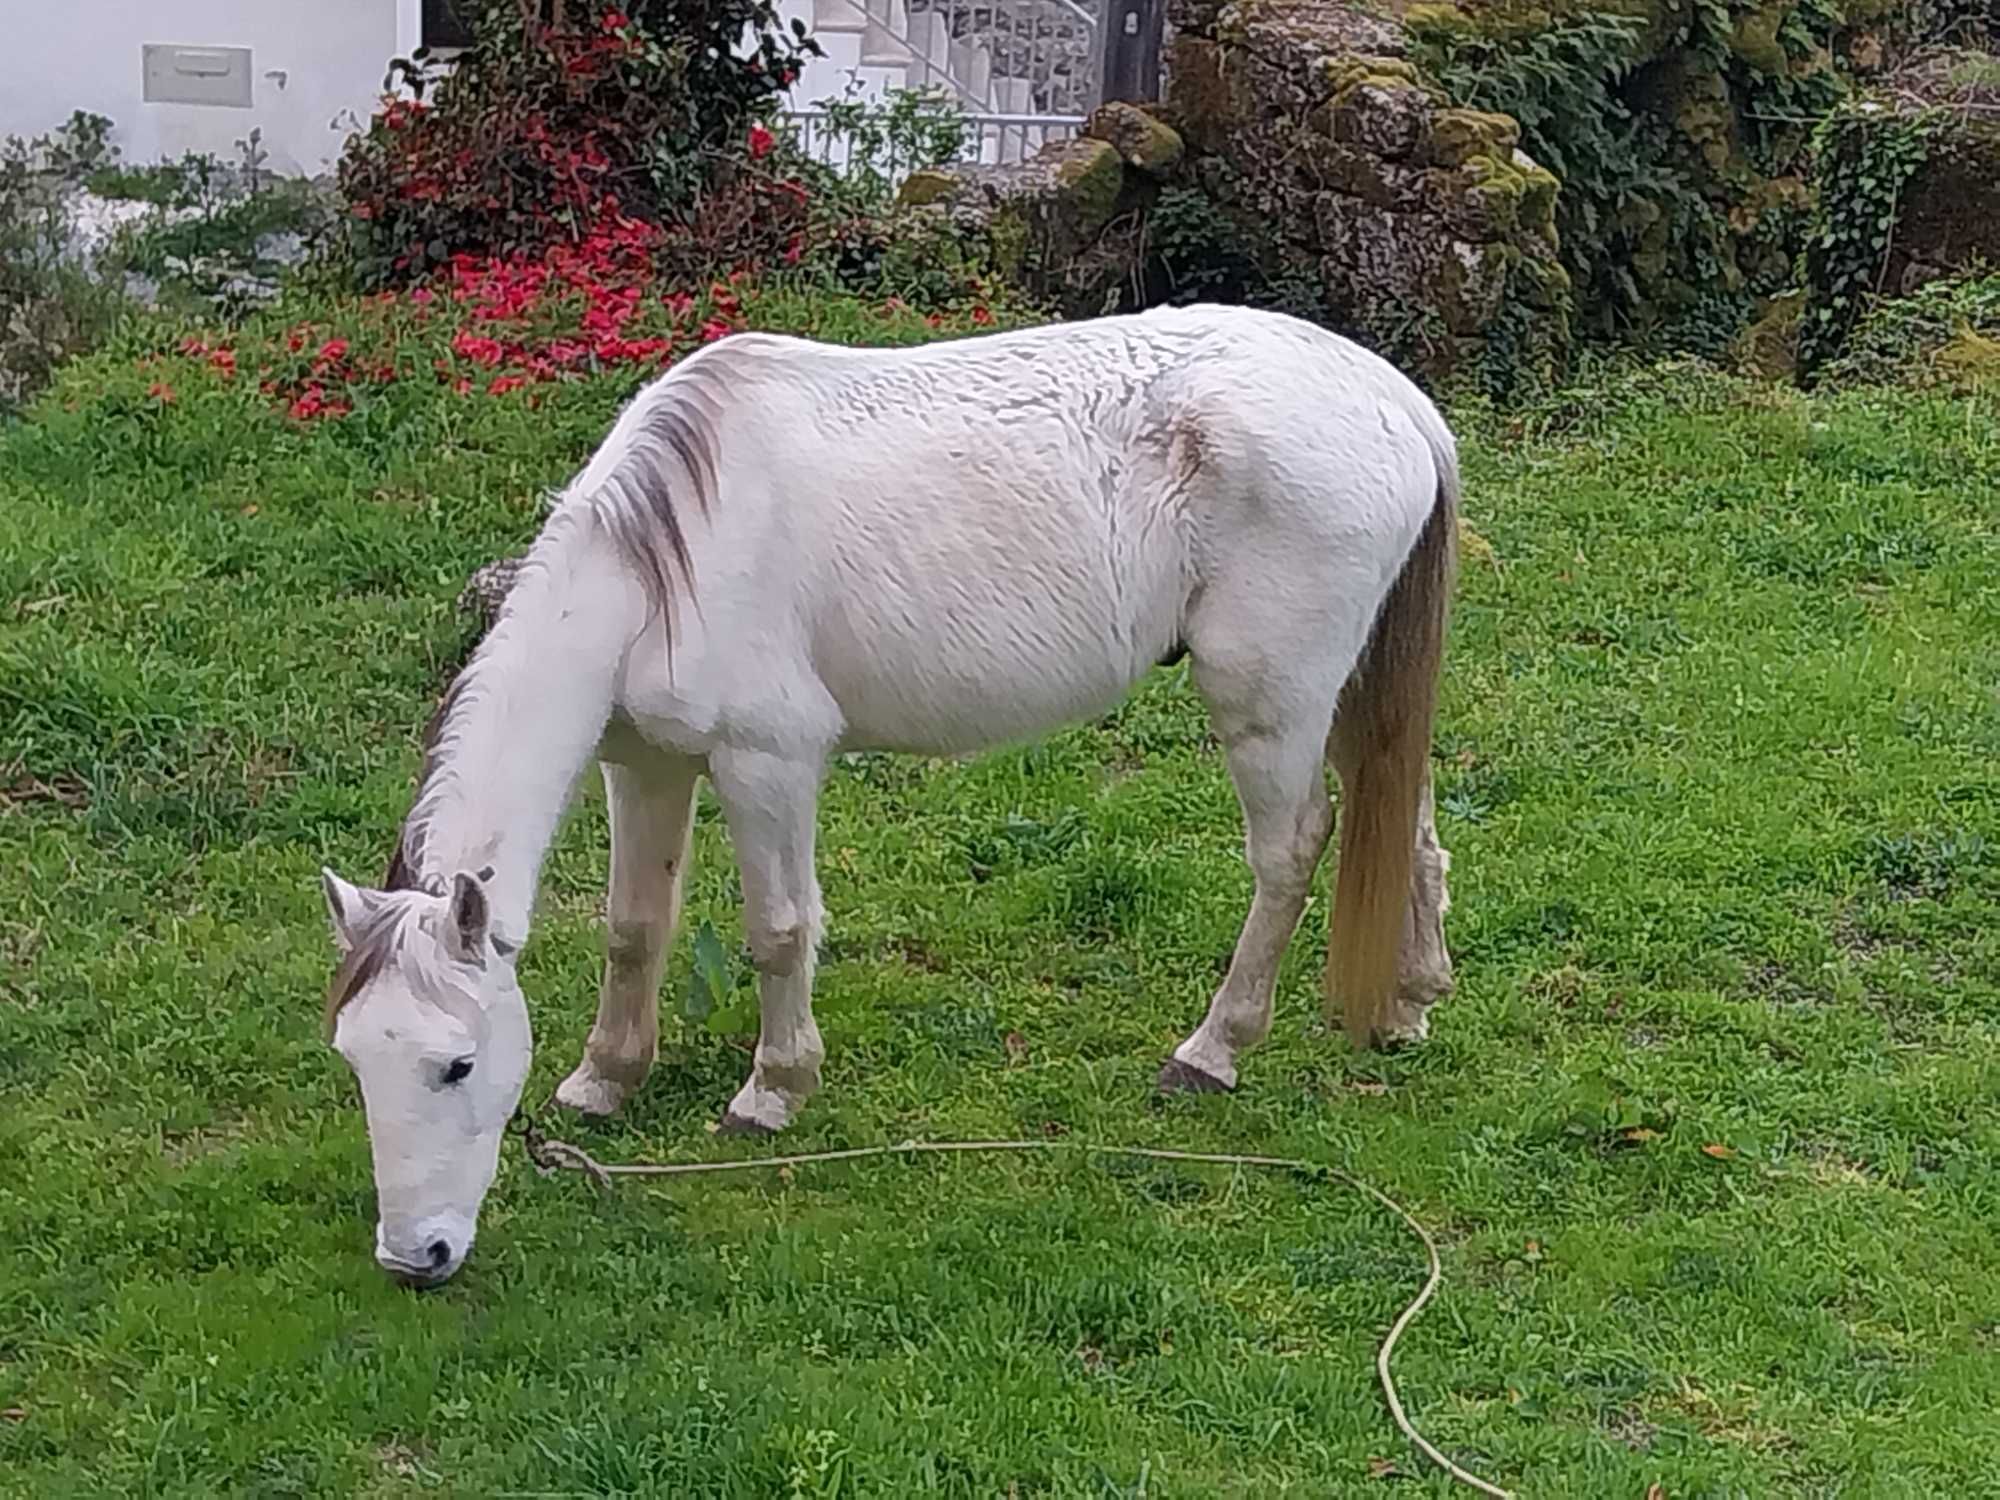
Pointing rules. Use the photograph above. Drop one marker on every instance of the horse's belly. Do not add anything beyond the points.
(932, 702)
(948, 683)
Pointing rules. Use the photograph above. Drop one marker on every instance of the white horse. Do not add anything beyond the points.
(786, 550)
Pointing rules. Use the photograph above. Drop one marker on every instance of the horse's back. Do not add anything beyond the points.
(976, 541)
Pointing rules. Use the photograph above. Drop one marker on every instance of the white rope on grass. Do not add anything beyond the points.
(549, 1155)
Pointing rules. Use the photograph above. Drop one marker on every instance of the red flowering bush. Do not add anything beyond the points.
(494, 325)
(540, 131)
(529, 230)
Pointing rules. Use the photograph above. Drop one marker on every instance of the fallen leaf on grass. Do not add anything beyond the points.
(1656, 1491)
(1017, 1047)
(1382, 1468)
(1369, 1086)
(1720, 1153)
(1639, 1135)
(14, 1414)
(66, 790)
(1474, 546)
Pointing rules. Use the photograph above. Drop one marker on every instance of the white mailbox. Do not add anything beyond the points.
(177, 74)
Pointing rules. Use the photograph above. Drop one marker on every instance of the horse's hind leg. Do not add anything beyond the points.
(1273, 723)
(652, 816)
(1424, 974)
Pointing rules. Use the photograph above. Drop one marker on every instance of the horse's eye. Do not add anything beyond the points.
(457, 1071)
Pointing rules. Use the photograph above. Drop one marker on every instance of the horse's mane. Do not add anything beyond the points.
(665, 445)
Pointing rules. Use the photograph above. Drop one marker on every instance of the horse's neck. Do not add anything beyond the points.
(522, 722)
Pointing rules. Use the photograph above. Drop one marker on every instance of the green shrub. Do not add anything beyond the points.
(51, 305)
(856, 241)
(1866, 154)
(1947, 334)
(1561, 84)
(207, 243)
(881, 143)
(1665, 146)
(1201, 250)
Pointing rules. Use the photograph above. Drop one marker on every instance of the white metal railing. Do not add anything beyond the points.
(990, 137)
(1017, 65)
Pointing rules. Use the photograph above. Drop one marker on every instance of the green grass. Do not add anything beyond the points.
(1707, 1133)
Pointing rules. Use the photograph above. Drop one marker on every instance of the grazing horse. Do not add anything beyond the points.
(786, 550)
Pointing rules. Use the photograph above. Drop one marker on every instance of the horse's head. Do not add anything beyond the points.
(426, 1009)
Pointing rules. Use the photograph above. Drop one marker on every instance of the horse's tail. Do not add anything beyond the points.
(1381, 746)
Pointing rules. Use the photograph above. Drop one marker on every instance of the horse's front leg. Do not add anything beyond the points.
(652, 818)
(771, 803)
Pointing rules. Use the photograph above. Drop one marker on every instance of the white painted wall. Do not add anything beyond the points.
(316, 71)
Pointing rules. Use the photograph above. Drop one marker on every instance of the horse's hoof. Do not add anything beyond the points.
(1177, 1077)
(1407, 1031)
(588, 1094)
(734, 1124)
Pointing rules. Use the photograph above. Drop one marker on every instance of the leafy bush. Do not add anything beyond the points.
(213, 240)
(51, 305)
(881, 143)
(517, 326)
(857, 241)
(1199, 250)
(540, 127)
(1947, 333)
(1964, 23)
(1561, 84)
(1668, 148)
(1866, 154)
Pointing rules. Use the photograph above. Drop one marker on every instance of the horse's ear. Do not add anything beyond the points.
(346, 907)
(465, 924)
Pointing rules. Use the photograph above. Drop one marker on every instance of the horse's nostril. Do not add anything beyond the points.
(440, 1253)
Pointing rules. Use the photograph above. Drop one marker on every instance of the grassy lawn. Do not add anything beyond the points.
(1707, 1133)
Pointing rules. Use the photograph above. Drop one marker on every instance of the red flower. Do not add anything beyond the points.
(480, 351)
(616, 20)
(981, 316)
(504, 383)
(225, 361)
(161, 392)
(715, 329)
(333, 349)
(761, 142)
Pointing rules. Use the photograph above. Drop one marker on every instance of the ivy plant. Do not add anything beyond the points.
(1867, 154)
